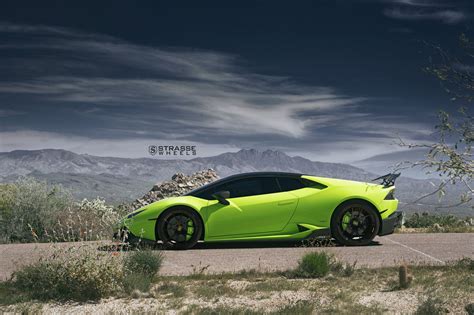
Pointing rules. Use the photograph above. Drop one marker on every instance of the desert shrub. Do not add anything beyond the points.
(320, 264)
(426, 220)
(432, 306)
(78, 274)
(140, 267)
(32, 210)
(314, 265)
(84, 221)
(29, 208)
(147, 262)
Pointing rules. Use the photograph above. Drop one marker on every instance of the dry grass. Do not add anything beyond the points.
(366, 291)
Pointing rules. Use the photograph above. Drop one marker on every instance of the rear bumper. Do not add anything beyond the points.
(389, 224)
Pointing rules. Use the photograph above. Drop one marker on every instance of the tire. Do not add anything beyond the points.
(355, 223)
(179, 228)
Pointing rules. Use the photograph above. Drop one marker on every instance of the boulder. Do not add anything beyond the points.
(177, 186)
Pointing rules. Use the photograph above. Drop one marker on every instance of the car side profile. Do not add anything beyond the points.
(269, 206)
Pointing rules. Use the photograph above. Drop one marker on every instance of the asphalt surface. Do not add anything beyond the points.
(229, 257)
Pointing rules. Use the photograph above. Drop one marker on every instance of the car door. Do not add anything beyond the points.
(256, 206)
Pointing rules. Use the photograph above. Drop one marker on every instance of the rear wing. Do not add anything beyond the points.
(388, 180)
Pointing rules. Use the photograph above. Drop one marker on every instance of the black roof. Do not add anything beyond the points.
(241, 176)
(261, 174)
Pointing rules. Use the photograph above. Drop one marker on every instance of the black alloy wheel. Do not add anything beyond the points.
(179, 228)
(355, 223)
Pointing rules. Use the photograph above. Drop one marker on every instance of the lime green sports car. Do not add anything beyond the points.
(269, 206)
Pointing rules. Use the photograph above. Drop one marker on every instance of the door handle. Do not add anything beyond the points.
(288, 202)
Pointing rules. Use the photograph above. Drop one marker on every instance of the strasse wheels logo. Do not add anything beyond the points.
(172, 150)
(152, 149)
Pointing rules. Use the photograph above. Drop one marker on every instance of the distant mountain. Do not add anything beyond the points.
(48, 161)
(385, 162)
(122, 179)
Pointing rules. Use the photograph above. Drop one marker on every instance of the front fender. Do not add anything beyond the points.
(143, 224)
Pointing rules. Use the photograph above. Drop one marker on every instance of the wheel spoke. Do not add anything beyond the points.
(356, 223)
(179, 228)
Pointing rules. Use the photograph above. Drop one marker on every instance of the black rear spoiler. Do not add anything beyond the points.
(388, 180)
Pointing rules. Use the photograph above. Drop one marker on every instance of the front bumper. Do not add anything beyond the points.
(125, 236)
(389, 224)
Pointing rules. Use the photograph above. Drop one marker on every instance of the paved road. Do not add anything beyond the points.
(385, 251)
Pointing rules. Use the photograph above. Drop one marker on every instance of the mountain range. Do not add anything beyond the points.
(124, 179)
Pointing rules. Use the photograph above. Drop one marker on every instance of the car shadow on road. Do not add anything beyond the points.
(272, 244)
(234, 245)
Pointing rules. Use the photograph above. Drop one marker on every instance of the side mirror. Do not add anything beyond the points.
(222, 196)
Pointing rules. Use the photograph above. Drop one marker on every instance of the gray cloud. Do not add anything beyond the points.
(200, 84)
(435, 10)
(445, 16)
(421, 3)
(136, 94)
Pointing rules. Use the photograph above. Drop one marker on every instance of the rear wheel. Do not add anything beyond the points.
(179, 228)
(355, 223)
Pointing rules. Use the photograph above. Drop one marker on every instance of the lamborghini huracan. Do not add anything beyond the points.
(269, 206)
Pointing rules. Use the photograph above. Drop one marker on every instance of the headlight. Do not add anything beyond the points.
(131, 215)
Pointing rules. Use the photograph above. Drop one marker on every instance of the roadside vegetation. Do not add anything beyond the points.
(121, 281)
(319, 265)
(32, 211)
(83, 274)
(437, 223)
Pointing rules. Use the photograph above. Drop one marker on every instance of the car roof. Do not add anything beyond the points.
(261, 174)
(242, 176)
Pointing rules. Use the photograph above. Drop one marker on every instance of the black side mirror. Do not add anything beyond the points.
(222, 196)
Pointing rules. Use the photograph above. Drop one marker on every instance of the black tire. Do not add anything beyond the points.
(170, 228)
(355, 223)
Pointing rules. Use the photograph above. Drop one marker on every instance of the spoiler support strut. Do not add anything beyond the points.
(388, 180)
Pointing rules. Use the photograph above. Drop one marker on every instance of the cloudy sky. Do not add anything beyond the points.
(328, 80)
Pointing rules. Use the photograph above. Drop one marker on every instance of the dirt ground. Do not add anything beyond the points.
(367, 291)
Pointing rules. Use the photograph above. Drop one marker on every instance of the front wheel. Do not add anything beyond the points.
(179, 228)
(355, 223)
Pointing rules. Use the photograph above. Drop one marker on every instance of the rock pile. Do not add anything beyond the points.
(178, 185)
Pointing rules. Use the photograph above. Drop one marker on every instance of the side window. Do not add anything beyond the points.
(207, 194)
(310, 183)
(252, 186)
(290, 183)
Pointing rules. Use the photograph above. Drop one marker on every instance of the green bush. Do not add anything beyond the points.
(146, 262)
(314, 265)
(140, 267)
(78, 274)
(319, 264)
